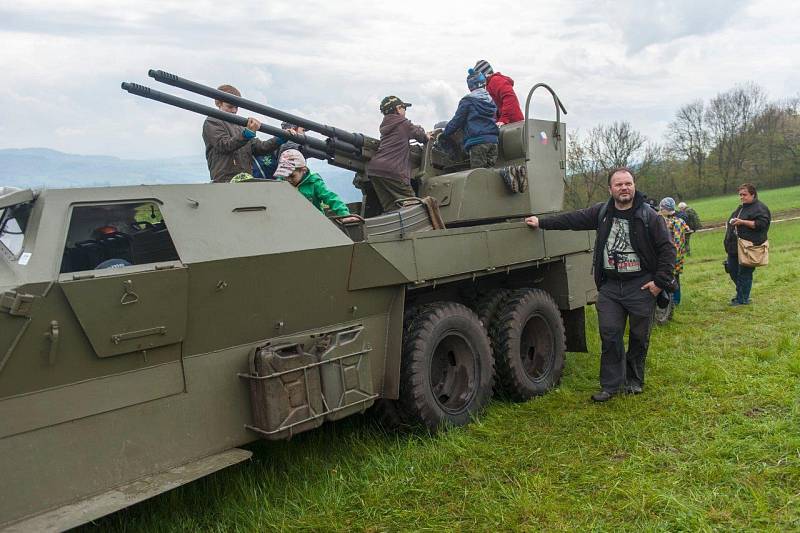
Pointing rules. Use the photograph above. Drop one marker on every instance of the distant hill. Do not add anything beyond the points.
(42, 167)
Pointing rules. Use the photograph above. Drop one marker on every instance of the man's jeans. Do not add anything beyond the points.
(617, 303)
(742, 276)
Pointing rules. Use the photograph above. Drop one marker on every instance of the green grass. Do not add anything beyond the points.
(712, 444)
(717, 209)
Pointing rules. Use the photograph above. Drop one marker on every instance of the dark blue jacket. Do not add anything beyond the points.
(475, 116)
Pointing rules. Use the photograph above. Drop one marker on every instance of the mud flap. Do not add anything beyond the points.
(575, 329)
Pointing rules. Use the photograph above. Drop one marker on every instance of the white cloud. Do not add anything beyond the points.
(62, 61)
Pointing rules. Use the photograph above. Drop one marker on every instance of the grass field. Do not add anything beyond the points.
(717, 209)
(713, 443)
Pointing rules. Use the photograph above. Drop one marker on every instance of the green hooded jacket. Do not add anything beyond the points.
(314, 189)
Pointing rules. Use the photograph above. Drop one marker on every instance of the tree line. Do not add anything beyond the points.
(709, 149)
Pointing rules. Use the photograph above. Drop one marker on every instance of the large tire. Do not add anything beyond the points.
(487, 305)
(447, 369)
(529, 344)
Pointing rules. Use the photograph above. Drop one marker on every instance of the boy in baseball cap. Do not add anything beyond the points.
(292, 168)
(389, 170)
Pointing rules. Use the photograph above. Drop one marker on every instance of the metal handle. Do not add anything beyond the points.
(559, 107)
(358, 220)
(128, 297)
(54, 336)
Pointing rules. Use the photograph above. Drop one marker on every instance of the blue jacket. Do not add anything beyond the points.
(475, 116)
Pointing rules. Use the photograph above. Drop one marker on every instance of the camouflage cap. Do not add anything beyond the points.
(389, 103)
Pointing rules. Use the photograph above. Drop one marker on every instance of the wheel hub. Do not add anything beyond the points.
(453, 373)
(537, 348)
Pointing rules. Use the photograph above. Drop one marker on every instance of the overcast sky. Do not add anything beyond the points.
(332, 61)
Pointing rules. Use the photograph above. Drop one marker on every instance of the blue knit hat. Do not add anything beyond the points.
(475, 80)
(667, 204)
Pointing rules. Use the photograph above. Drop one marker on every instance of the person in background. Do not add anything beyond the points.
(750, 221)
(389, 170)
(501, 89)
(633, 262)
(688, 215)
(292, 168)
(230, 148)
(679, 232)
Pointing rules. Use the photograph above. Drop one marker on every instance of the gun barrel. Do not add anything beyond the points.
(315, 148)
(320, 146)
(342, 140)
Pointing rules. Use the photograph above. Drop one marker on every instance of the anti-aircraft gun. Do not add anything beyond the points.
(465, 196)
(147, 332)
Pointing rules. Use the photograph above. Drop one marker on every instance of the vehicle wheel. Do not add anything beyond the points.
(663, 316)
(447, 368)
(529, 344)
(487, 305)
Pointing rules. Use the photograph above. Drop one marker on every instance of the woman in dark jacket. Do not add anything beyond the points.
(750, 221)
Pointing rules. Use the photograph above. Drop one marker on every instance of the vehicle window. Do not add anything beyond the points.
(13, 221)
(116, 235)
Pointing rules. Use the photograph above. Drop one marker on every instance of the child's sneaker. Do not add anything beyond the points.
(522, 177)
(509, 180)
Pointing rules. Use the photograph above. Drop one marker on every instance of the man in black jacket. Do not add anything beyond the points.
(633, 262)
(750, 221)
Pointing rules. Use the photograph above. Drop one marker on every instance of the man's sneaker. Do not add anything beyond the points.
(634, 389)
(602, 396)
(522, 178)
(509, 180)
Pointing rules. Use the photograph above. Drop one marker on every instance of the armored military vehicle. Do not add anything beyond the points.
(147, 332)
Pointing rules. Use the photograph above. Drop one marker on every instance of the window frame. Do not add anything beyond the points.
(128, 269)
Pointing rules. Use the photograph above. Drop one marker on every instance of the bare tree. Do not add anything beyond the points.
(616, 145)
(587, 176)
(590, 160)
(689, 136)
(769, 148)
(730, 116)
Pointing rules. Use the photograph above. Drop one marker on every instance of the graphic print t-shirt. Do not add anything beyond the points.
(620, 261)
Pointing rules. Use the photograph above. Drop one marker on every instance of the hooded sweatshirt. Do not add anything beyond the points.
(316, 192)
(393, 159)
(475, 116)
(501, 89)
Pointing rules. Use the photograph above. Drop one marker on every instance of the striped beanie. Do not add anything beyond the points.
(484, 68)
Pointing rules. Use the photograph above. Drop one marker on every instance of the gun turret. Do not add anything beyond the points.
(534, 148)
